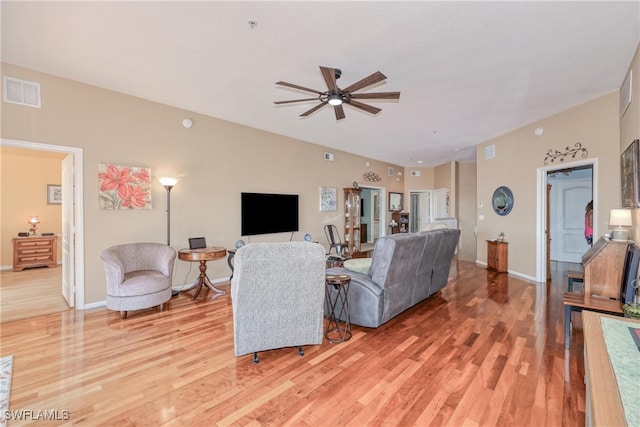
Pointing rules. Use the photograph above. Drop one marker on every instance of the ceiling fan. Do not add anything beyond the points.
(335, 96)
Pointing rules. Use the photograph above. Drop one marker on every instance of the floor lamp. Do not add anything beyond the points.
(168, 184)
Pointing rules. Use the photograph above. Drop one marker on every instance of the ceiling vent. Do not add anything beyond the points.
(21, 92)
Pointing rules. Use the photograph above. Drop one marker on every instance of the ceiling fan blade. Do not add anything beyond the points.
(306, 89)
(329, 76)
(339, 112)
(379, 95)
(313, 110)
(368, 108)
(295, 100)
(367, 81)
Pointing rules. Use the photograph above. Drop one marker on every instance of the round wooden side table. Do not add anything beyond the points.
(337, 330)
(203, 255)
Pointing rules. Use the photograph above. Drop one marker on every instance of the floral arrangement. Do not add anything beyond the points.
(124, 187)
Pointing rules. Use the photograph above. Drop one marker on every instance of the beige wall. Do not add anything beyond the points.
(25, 175)
(466, 180)
(520, 153)
(630, 122)
(215, 160)
(630, 127)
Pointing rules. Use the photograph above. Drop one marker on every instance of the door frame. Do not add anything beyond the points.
(77, 211)
(383, 207)
(541, 209)
(429, 215)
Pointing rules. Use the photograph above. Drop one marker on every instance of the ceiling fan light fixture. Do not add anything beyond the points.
(335, 99)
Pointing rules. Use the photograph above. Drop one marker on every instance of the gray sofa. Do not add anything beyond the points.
(405, 269)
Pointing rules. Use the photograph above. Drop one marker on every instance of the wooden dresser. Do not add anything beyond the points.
(497, 256)
(35, 251)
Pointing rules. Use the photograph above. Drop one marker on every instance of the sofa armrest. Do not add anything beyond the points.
(114, 270)
(363, 280)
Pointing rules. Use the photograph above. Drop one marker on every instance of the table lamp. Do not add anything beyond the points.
(34, 221)
(620, 218)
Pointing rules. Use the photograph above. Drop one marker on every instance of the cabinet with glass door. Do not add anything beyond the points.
(352, 212)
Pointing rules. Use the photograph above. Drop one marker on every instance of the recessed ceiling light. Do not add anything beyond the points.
(420, 161)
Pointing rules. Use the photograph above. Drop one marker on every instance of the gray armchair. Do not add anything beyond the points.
(138, 275)
(277, 296)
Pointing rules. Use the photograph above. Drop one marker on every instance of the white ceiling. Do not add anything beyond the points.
(467, 71)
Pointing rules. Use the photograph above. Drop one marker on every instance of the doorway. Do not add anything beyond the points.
(373, 214)
(420, 209)
(571, 189)
(565, 204)
(72, 285)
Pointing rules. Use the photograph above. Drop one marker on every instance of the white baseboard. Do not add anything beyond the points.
(511, 272)
(95, 305)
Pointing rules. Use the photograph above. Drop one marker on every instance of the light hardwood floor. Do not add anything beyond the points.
(30, 292)
(487, 350)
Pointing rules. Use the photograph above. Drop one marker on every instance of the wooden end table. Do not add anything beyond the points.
(203, 255)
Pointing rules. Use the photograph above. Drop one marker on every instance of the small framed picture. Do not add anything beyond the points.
(395, 201)
(390, 171)
(328, 199)
(54, 194)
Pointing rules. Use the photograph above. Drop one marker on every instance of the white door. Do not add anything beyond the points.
(68, 231)
(420, 210)
(374, 230)
(568, 200)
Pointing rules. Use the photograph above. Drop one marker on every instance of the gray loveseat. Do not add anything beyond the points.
(405, 269)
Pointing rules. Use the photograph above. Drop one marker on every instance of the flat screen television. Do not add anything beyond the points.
(264, 213)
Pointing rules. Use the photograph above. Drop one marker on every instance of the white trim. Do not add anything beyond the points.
(541, 208)
(510, 272)
(79, 206)
(96, 304)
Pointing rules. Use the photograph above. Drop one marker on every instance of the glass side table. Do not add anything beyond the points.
(339, 325)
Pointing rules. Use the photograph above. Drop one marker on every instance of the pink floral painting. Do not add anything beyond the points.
(124, 187)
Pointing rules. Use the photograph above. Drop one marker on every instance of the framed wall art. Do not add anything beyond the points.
(395, 201)
(54, 194)
(630, 171)
(328, 199)
(124, 187)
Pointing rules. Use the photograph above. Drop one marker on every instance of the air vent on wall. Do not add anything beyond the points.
(490, 152)
(21, 92)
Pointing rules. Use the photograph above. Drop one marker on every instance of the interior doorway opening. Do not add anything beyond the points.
(373, 218)
(71, 287)
(560, 212)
